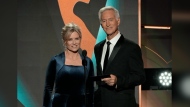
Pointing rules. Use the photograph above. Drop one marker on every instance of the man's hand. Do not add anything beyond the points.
(110, 81)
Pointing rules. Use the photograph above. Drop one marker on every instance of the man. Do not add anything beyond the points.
(124, 65)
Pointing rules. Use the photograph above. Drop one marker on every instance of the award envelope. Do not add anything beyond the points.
(99, 77)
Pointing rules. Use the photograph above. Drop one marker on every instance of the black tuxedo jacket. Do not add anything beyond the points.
(126, 63)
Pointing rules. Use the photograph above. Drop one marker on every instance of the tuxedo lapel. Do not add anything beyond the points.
(100, 55)
(115, 50)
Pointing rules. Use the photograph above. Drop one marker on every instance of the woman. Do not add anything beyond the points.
(66, 71)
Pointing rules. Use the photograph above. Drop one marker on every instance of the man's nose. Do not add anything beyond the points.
(107, 23)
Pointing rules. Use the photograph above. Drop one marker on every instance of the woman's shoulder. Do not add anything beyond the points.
(58, 56)
(88, 58)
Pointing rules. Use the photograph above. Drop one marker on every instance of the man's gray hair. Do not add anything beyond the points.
(108, 8)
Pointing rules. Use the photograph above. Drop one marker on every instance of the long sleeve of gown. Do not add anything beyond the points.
(49, 83)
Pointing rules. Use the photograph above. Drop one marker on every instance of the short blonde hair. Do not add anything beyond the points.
(68, 29)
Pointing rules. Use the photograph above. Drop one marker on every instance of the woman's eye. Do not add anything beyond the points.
(70, 39)
(77, 38)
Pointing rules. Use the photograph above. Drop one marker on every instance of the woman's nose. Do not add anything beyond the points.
(74, 41)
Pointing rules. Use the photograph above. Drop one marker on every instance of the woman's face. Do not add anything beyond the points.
(73, 42)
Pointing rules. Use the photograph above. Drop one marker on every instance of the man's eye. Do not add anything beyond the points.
(110, 19)
(103, 21)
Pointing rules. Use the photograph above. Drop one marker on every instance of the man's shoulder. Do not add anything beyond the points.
(99, 43)
(128, 41)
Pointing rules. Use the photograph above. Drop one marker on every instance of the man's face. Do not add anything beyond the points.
(110, 23)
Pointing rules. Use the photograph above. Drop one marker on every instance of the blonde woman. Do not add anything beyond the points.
(66, 73)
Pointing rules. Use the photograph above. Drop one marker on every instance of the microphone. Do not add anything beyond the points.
(84, 53)
(84, 63)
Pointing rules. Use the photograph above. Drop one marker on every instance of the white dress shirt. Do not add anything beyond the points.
(113, 41)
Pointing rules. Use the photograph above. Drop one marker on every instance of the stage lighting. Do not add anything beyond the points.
(165, 78)
(157, 79)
